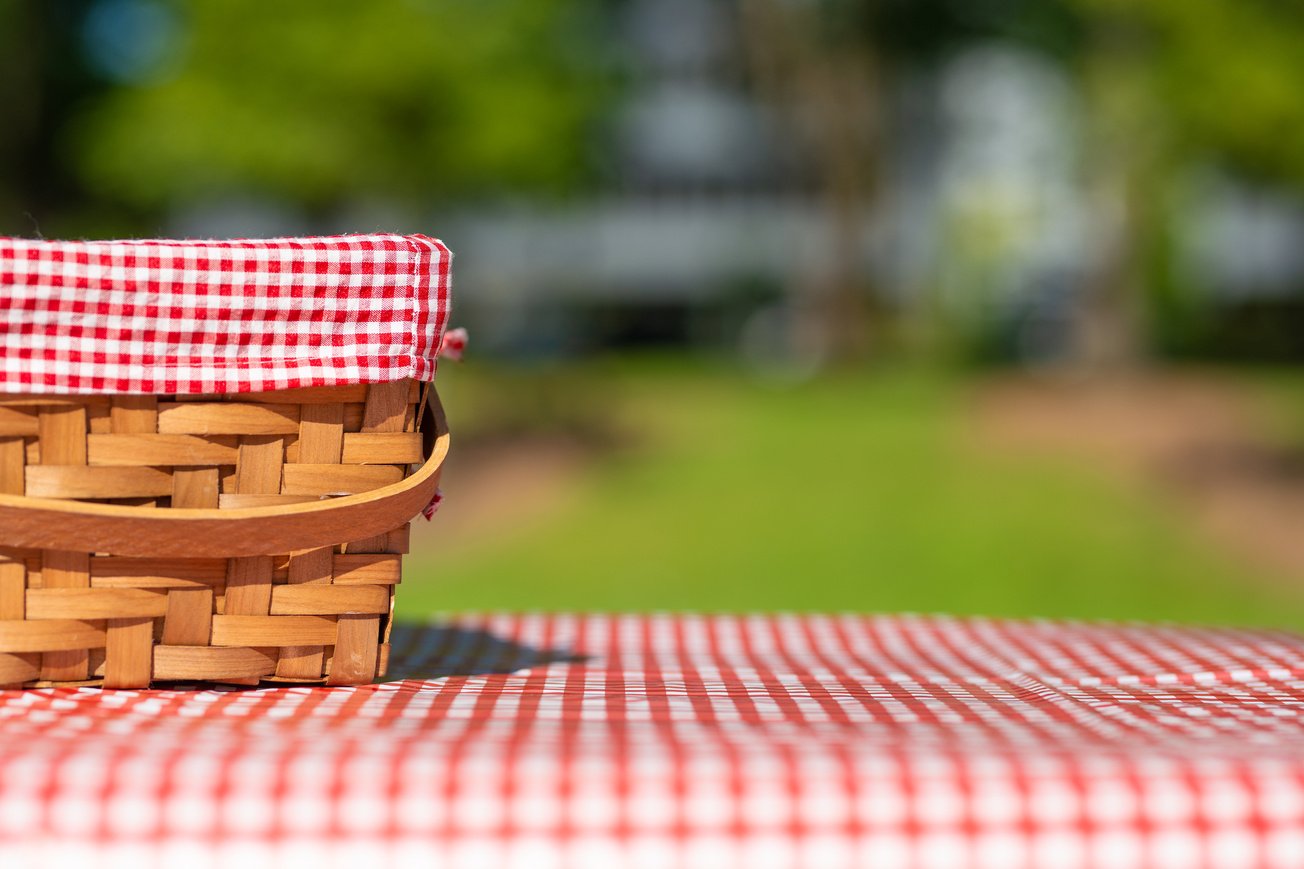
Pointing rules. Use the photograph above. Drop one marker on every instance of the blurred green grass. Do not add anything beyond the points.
(865, 492)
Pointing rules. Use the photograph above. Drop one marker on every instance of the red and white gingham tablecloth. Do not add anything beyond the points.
(187, 317)
(543, 742)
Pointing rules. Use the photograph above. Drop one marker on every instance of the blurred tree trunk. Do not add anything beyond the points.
(1108, 321)
(822, 78)
(1129, 174)
(20, 109)
(1126, 177)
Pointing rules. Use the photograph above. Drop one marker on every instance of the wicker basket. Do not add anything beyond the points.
(235, 538)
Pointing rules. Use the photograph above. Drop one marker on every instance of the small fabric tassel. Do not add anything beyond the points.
(454, 344)
(433, 507)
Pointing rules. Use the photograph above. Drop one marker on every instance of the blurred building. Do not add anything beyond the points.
(706, 204)
(709, 210)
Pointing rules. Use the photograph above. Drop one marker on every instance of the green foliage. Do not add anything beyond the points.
(1225, 75)
(856, 493)
(320, 101)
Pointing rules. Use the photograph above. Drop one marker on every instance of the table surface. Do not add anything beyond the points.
(768, 741)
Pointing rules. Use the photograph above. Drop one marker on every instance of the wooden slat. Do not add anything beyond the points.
(128, 653)
(239, 630)
(137, 502)
(17, 423)
(17, 669)
(13, 461)
(387, 620)
(194, 488)
(336, 479)
(321, 434)
(309, 568)
(52, 635)
(160, 449)
(309, 395)
(322, 600)
(249, 586)
(227, 418)
(353, 417)
(314, 566)
(379, 448)
(356, 651)
(379, 543)
(258, 470)
(306, 395)
(62, 431)
(382, 569)
(13, 589)
(204, 662)
(300, 663)
(399, 540)
(69, 481)
(94, 603)
(236, 501)
(22, 399)
(162, 573)
(189, 618)
(99, 419)
(387, 406)
(61, 569)
(382, 664)
(367, 545)
(134, 414)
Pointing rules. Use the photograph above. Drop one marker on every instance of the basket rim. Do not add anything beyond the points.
(52, 523)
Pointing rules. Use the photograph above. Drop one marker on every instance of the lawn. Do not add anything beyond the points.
(863, 492)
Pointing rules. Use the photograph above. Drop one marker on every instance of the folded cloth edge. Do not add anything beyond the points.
(114, 316)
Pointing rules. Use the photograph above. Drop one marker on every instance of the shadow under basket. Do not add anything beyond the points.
(224, 538)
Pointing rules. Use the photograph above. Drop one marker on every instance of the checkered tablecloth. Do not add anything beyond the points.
(187, 317)
(667, 741)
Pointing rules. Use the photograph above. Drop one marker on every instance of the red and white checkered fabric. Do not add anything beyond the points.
(542, 742)
(187, 317)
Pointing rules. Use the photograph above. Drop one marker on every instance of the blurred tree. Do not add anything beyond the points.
(813, 61)
(1226, 74)
(18, 105)
(831, 66)
(41, 78)
(1171, 83)
(324, 102)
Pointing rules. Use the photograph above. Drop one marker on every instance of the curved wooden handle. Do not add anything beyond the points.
(45, 523)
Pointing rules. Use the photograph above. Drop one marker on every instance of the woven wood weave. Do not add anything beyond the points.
(71, 617)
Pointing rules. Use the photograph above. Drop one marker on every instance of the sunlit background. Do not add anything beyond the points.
(978, 306)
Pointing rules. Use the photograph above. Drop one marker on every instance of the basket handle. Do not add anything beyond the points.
(46, 523)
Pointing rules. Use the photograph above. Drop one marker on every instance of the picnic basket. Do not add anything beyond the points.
(210, 455)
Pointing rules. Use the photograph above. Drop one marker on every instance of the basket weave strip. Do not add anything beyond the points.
(70, 617)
